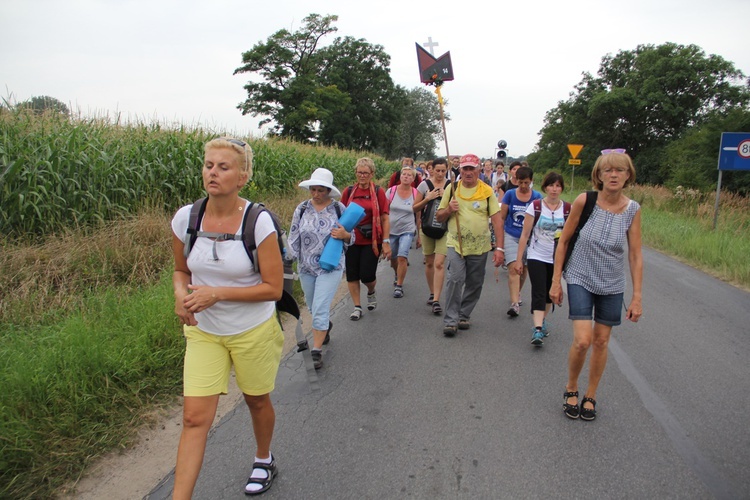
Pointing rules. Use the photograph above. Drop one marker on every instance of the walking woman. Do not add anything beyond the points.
(371, 236)
(314, 221)
(595, 274)
(227, 306)
(434, 245)
(543, 221)
(403, 226)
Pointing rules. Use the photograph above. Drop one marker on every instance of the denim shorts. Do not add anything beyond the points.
(606, 308)
(400, 245)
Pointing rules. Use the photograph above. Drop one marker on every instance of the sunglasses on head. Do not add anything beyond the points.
(236, 142)
(610, 151)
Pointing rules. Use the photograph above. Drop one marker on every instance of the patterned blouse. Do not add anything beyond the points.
(598, 259)
(308, 236)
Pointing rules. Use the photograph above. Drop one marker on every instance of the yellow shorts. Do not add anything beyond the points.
(431, 245)
(255, 354)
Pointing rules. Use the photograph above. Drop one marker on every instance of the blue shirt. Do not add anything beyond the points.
(516, 211)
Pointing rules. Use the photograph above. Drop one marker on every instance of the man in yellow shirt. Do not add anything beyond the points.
(468, 242)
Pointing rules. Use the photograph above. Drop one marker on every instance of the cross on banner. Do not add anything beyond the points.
(430, 44)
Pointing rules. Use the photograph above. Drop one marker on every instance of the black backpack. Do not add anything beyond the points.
(430, 225)
(247, 235)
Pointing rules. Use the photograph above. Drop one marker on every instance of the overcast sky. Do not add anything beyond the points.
(172, 61)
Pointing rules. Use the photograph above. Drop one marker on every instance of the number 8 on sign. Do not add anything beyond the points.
(744, 149)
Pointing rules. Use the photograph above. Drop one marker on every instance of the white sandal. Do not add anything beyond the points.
(356, 314)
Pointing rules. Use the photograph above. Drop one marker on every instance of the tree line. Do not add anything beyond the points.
(666, 105)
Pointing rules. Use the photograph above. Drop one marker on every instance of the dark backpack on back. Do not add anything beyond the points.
(430, 225)
(247, 235)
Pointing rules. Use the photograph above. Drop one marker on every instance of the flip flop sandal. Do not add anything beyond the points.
(265, 482)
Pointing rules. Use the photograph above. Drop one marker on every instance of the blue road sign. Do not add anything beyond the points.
(734, 152)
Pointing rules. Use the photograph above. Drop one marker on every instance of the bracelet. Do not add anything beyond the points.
(500, 249)
(387, 240)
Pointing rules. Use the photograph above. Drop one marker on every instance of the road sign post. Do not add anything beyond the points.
(734, 154)
(575, 150)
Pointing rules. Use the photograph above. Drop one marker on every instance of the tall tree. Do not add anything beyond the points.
(641, 100)
(289, 96)
(420, 127)
(372, 109)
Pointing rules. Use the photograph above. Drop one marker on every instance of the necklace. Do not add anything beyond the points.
(546, 202)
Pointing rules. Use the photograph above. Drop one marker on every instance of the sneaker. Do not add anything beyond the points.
(464, 324)
(372, 301)
(317, 357)
(513, 311)
(430, 300)
(449, 330)
(328, 333)
(545, 328)
(354, 316)
(538, 337)
(436, 309)
(398, 292)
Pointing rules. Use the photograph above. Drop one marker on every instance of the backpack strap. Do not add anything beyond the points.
(537, 209)
(248, 231)
(197, 212)
(430, 185)
(566, 210)
(393, 194)
(591, 197)
(194, 224)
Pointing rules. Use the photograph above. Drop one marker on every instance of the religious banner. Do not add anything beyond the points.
(434, 70)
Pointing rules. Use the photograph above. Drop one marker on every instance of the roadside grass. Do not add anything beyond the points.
(77, 387)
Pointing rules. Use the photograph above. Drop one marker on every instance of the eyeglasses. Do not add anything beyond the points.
(236, 142)
(364, 173)
(610, 170)
(610, 151)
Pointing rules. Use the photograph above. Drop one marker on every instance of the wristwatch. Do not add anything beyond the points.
(387, 240)
(501, 249)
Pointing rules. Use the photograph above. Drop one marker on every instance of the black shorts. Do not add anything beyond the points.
(361, 263)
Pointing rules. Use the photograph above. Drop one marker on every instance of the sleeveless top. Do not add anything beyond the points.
(598, 259)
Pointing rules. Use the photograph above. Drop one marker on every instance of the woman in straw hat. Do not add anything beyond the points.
(313, 222)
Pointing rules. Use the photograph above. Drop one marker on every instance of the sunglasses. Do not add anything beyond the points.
(236, 142)
(610, 151)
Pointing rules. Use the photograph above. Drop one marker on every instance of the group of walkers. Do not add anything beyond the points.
(226, 299)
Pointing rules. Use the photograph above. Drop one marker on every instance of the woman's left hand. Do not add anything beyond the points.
(419, 241)
(635, 311)
(201, 298)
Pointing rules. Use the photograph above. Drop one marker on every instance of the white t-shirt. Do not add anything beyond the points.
(542, 240)
(233, 268)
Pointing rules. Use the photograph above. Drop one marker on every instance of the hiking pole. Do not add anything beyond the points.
(439, 84)
(458, 226)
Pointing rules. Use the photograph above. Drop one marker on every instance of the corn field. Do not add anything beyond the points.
(57, 172)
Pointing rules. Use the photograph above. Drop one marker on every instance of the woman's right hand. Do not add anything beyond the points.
(556, 293)
(185, 316)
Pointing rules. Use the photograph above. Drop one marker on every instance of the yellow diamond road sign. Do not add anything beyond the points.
(575, 149)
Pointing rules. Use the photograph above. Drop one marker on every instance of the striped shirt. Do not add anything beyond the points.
(598, 259)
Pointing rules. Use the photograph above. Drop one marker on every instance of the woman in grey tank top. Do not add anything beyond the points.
(595, 274)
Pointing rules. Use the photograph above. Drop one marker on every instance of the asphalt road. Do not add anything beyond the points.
(404, 412)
